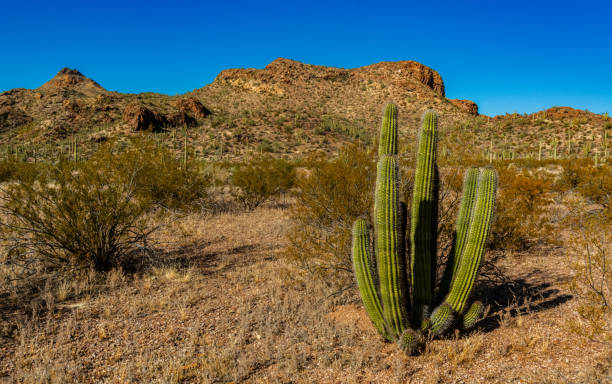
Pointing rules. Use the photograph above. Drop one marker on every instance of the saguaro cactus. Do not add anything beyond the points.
(383, 279)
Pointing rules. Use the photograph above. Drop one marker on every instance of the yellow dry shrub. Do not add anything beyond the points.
(330, 196)
(521, 210)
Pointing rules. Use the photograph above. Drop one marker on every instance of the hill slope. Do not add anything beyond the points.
(286, 108)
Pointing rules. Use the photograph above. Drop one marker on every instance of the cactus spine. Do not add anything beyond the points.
(382, 280)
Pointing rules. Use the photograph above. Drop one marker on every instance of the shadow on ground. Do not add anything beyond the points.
(517, 297)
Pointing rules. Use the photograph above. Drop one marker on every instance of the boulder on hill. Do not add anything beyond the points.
(192, 106)
(11, 117)
(466, 106)
(180, 119)
(140, 118)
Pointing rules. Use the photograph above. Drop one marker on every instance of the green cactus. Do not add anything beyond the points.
(540, 151)
(470, 184)
(366, 278)
(472, 315)
(388, 132)
(423, 223)
(383, 282)
(389, 241)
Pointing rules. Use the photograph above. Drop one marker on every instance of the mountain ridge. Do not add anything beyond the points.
(287, 107)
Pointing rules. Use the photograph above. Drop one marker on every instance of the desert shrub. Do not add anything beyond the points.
(520, 214)
(75, 215)
(158, 174)
(12, 169)
(591, 262)
(261, 179)
(269, 147)
(93, 213)
(594, 183)
(343, 127)
(330, 195)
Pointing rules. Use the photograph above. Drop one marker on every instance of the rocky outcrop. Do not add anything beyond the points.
(193, 107)
(400, 71)
(466, 106)
(181, 119)
(72, 79)
(558, 113)
(189, 109)
(290, 72)
(11, 117)
(139, 118)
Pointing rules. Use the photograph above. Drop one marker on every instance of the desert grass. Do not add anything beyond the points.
(222, 307)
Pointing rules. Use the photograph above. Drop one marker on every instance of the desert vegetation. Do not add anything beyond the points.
(382, 279)
(223, 250)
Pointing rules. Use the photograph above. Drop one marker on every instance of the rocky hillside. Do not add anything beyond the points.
(286, 108)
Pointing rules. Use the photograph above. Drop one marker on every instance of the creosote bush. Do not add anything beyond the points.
(11, 170)
(329, 197)
(159, 175)
(261, 179)
(521, 208)
(591, 261)
(76, 215)
(594, 183)
(93, 213)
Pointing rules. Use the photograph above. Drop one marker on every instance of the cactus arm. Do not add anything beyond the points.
(362, 262)
(390, 263)
(480, 227)
(424, 214)
(441, 319)
(466, 209)
(410, 341)
(472, 315)
(388, 132)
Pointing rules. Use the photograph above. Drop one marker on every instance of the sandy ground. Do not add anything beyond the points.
(223, 307)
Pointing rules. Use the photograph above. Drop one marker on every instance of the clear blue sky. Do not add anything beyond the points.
(521, 56)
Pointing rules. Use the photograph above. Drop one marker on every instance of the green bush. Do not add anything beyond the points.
(75, 215)
(161, 177)
(93, 213)
(11, 170)
(330, 195)
(261, 179)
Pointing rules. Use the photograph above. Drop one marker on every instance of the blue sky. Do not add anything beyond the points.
(519, 56)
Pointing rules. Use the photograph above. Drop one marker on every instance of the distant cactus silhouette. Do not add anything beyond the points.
(383, 279)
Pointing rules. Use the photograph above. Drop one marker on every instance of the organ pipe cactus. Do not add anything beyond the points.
(381, 266)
